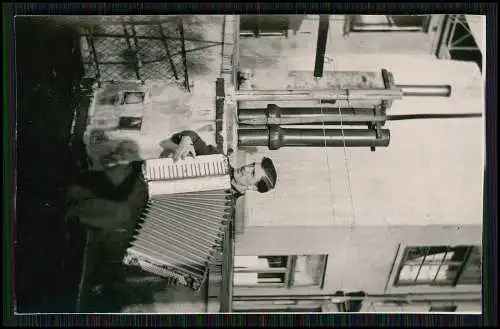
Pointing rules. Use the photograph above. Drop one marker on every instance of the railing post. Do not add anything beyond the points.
(184, 59)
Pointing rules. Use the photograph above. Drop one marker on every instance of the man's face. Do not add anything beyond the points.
(249, 175)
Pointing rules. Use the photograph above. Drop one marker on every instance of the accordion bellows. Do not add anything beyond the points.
(182, 228)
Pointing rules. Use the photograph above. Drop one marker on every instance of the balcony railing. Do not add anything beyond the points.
(226, 293)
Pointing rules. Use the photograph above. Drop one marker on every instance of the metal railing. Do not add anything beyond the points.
(136, 51)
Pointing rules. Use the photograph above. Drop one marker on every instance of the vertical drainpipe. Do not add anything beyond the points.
(324, 23)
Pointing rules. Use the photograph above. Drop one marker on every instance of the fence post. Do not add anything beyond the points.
(90, 41)
(184, 59)
(169, 54)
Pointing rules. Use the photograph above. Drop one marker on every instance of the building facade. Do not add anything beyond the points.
(459, 37)
(395, 230)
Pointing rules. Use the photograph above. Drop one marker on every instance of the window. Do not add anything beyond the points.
(279, 271)
(130, 123)
(264, 25)
(133, 97)
(443, 309)
(388, 23)
(440, 265)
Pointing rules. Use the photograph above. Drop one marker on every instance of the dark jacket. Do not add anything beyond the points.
(200, 147)
(113, 210)
(99, 203)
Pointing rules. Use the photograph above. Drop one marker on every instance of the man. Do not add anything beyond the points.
(110, 202)
(257, 176)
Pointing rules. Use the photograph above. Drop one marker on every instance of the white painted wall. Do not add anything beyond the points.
(431, 173)
(304, 41)
(359, 258)
(424, 189)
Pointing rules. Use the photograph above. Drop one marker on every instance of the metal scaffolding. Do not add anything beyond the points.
(129, 50)
(459, 41)
(462, 38)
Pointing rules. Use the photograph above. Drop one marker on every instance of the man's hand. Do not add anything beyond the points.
(184, 149)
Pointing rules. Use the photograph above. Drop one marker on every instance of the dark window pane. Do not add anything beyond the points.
(407, 20)
(471, 274)
(130, 123)
(276, 261)
(419, 252)
(439, 265)
(440, 309)
(271, 277)
(133, 97)
(264, 23)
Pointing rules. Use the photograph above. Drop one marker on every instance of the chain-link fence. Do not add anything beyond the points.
(136, 51)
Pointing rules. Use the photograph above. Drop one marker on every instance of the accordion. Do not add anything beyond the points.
(181, 232)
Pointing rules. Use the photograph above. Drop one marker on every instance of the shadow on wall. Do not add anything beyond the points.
(197, 46)
(295, 22)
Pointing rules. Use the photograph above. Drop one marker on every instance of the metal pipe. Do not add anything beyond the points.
(323, 26)
(296, 112)
(426, 91)
(451, 294)
(275, 137)
(275, 115)
(312, 120)
(398, 117)
(344, 94)
(373, 298)
(318, 94)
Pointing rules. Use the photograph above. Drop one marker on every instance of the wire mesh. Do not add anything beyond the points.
(140, 51)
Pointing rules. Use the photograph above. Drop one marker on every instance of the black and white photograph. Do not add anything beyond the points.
(190, 164)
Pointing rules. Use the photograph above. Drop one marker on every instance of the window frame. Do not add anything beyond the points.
(289, 271)
(443, 262)
(352, 28)
(425, 288)
(391, 288)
